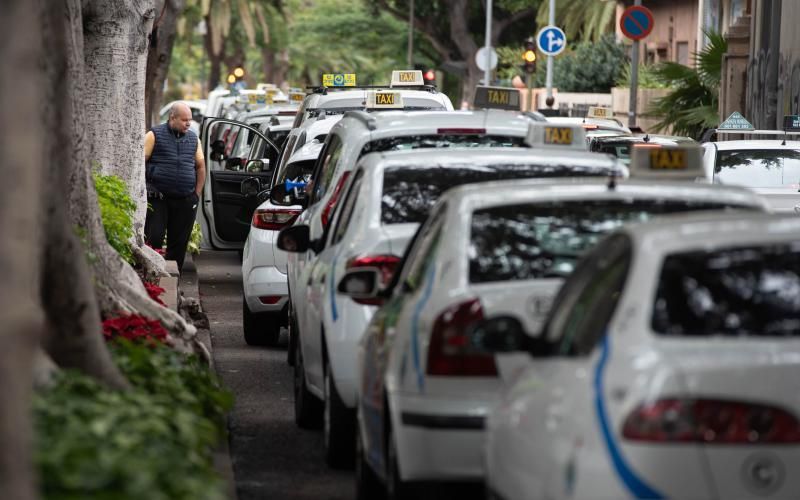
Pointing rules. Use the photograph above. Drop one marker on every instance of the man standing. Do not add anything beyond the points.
(175, 173)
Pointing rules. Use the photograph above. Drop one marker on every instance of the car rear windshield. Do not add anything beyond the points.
(432, 141)
(546, 240)
(759, 168)
(410, 192)
(299, 171)
(743, 292)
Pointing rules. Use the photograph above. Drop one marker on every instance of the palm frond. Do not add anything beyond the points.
(709, 60)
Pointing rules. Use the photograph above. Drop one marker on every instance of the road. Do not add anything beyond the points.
(272, 458)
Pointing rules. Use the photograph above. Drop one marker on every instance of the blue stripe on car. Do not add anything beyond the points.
(426, 295)
(637, 487)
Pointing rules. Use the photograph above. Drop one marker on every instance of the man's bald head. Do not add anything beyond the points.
(180, 117)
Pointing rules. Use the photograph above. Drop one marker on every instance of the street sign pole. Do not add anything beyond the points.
(488, 43)
(552, 22)
(410, 52)
(634, 90)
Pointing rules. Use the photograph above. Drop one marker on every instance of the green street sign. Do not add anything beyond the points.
(736, 122)
(791, 123)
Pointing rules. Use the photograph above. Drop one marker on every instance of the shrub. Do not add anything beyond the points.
(195, 239)
(116, 211)
(154, 441)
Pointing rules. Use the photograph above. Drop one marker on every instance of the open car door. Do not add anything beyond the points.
(239, 165)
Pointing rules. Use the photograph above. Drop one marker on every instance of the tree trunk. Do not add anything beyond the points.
(162, 39)
(268, 64)
(20, 214)
(214, 59)
(281, 68)
(462, 38)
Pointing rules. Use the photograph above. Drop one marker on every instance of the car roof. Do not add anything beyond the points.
(309, 151)
(322, 125)
(600, 122)
(651, 139)
(499, 193)
(776, 143)
(340, 97)
(493, 120)
(490, 156)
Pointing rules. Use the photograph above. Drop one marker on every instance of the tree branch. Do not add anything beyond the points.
(423, 27)
(498, 27)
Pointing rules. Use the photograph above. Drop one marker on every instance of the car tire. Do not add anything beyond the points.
(307, 407)
(368, 486)
(396, 488)
(260, 328)
(338, 426)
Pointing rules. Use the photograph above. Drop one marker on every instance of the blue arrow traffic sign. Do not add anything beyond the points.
(551, 40)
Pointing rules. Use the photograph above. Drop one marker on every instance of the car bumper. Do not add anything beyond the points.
(265, 282)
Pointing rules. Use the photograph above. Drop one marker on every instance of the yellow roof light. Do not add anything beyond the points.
(560, 136)
(667, 162)
(382, 99)
(601, 112)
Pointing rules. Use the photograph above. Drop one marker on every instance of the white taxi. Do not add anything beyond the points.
(389, 195)
(359, 133)
(264, 306)
(339, 93)
(767, 162)
(667, 369)
(487, 249)
(598, 122)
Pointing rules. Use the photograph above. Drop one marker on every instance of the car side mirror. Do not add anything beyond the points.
(297, 239)
(218, 150)
(362, 284)
(257, 166)
(505, 334)
(250, 186)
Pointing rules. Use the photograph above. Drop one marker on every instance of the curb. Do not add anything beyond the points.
(188, 305)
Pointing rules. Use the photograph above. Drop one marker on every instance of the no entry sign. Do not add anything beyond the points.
(636, 22)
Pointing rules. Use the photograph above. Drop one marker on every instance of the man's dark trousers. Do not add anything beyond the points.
(176, 217)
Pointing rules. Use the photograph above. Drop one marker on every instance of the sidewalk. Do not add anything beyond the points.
(187, 303)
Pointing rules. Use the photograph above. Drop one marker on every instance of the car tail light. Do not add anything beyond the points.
(449, 352)
(273, 218)
(460, 131)
(270, 299)
(385, 263)
(589, 126)
(337, 191)
(711, 421)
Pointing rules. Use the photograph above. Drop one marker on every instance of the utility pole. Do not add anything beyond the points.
(551, 21)
(634, 79)
(410, 55)
(488, 43)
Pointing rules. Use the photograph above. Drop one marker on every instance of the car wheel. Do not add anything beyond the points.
(396, 488)
(307, 408)
(368, 486)
(338, 426)
(260, 328)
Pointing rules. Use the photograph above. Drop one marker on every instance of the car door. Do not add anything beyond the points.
(229, 146)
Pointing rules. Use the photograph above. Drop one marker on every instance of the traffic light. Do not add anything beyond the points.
(529, 56)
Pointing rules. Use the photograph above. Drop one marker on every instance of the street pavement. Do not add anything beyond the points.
(272, 458)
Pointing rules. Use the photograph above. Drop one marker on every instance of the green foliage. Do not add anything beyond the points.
(116, 211)
(195, 239)
(154, 441)
(692, 105)
(581, 20)
(589, 67)
(647, 78)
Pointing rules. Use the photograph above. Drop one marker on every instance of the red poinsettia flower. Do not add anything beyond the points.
(135, 328)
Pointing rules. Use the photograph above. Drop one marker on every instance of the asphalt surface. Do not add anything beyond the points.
(272, 458)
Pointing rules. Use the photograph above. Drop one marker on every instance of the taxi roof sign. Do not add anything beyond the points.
(543, 134)
(339, 80)
(667, 162)
(600, 112)
(496, 98)
(382, 99)
(736, 122)
(297, 96)
(407, 78)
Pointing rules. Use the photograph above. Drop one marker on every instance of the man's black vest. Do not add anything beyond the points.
(171, 169)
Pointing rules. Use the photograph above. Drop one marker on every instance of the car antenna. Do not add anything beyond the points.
(646, 137)
(612, 181)
(784, 138)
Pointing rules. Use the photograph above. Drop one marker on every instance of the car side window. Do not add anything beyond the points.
(283, 159)
(346, 212)
(424, 251)
(325, 168)
(586, 303)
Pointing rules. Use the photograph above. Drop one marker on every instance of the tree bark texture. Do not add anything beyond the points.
(20, 199)
(162, 39)
(214, 59)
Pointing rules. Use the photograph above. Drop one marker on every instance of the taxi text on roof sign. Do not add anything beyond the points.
(600, 112)
(496, 98)
(384, 100)
(667, 162)
(736, 122)
(560, 136)
(297, 96)
(339, 80)
(407, 78)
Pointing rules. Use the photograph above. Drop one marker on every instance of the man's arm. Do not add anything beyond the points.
(149, 144)
(200, 167)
